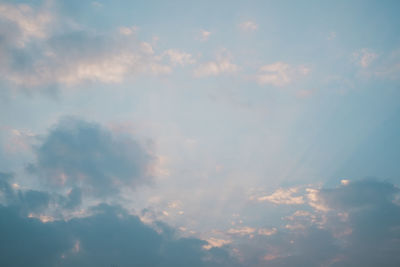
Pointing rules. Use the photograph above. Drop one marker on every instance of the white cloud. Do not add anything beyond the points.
(146, 48)
(284, 196)
(158, 69)
(248, 26)
(30, 23)
(300, 213)
(222, 65)
(315, 201)
(204, 35)
(75, 56)
(216, 242)
(275, 74)
(344, 182)
(109, 69)
(128, 30)
(267, 232)
(280, 74)
(111, 66)
(43, 218)
(242, 231)
(364, 57)
(177, 57)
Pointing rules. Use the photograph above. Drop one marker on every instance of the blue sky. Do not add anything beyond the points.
(249, 133)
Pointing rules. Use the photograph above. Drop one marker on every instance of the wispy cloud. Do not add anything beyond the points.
(222, 65)
(129, 30)
(204, 35)
(177, 57)
(280, 74)
(331, 36)
(250, 26)
(364, 57)
(26, 22)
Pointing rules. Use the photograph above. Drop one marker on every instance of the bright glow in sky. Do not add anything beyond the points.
(199, 133)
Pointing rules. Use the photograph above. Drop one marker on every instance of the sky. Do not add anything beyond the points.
(199, 133)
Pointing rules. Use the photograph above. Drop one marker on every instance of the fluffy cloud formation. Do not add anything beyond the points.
(38, 51)
(84, 154)
(222, 65)
(280, 74)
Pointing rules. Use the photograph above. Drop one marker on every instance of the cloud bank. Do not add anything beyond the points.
(84, 154)
(109, 236)
(354, 224)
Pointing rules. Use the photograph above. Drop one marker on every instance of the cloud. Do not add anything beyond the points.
(106, 236)
(179, 58)
(364, 57)
(39, 50)
(222, 65)
(79, 56)
(245, 230)
(31, 23)
(384, 66)
(314, 200)
(373, 219)
(35, 203)
(248, 26)
(267, 232)
(128, 30)
(359, 226)
(282, 196)
(389, 67)
(84, 154)
(204, 35)
(6, 190)
(215, 242)
(110, 237)
(331, 36)
(280, 74)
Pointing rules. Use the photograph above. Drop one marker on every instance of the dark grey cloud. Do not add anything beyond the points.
(108, 237)
(359, 225)
(73, 198)
(30, 201)
(6, 191)
(33, 200)
(373, 215)
(81, 154)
